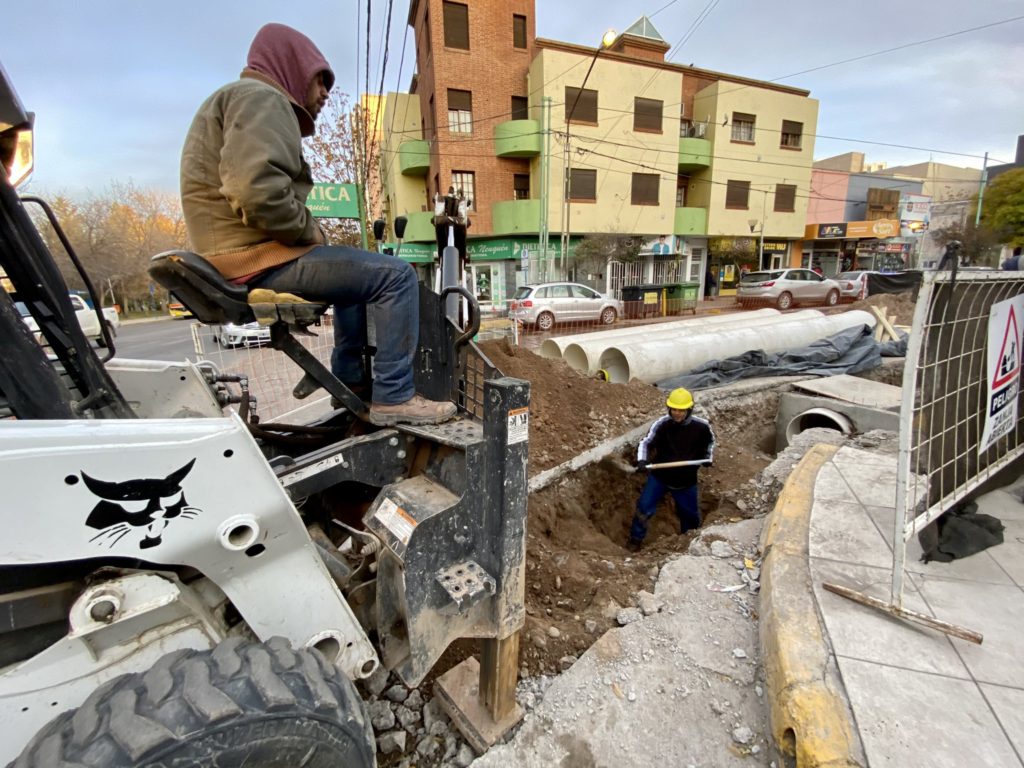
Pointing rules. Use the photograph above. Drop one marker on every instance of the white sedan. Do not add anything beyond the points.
(249, 334)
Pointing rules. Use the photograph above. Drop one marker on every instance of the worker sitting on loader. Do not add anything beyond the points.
(244, 185)
(681, 437)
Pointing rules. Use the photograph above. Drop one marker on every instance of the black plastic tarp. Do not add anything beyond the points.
(849, 351)
(894, 282)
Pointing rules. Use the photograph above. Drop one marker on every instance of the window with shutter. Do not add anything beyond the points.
(460, 111)
(785, 198)
(737, 194)
(456, 25)
(792, 134)
(583, 184)
(742, 127)
(647, 115)
(645, 188)
(521, 186)
(520, 108)
(585, 109)
(518, 31)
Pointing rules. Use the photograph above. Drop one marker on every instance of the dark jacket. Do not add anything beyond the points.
(668, 441)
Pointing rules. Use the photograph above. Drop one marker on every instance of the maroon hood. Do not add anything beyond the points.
(291, 60)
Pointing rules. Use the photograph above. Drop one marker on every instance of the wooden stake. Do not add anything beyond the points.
(499, 670)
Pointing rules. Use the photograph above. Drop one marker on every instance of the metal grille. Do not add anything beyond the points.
(474, 370)
(948, 395)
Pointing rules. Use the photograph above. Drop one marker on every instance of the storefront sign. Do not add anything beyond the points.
(334, 201)
(880, 228)
(775, 246)
(503, 248)
(415, 253)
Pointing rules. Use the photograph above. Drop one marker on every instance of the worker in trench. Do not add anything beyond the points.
(678, 438)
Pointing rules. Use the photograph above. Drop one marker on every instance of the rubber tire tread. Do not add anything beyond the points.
(288, 705)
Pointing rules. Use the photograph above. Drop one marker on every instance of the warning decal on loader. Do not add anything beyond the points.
(399, 522)
(518, 425)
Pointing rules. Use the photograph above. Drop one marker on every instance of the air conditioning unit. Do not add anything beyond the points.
(699, 130)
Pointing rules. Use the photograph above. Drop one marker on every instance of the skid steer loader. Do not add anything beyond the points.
(181, 584)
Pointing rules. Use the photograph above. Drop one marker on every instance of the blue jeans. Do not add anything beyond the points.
(647, 504)
(358, 282)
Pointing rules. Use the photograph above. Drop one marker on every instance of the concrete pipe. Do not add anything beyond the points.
(824, 418)
(652, 361)
(557, 346)
(585, 355)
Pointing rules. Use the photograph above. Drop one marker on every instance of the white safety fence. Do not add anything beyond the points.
(271, 374)
(960, 421)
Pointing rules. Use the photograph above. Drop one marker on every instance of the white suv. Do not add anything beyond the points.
(545, 304)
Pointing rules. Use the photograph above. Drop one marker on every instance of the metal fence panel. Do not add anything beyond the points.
(962, 323)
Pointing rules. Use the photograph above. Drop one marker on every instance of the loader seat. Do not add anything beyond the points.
(214, 300)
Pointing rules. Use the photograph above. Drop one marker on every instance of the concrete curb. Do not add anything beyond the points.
(809, 713)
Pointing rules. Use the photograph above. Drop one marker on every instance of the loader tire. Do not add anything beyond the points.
(243, 703)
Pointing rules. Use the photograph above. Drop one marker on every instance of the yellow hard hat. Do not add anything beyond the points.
(680, 399)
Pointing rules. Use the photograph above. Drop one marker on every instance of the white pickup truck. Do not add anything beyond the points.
(87, 318)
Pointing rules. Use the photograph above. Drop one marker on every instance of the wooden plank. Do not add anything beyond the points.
(883, 321)
(499, 672)
(904, 613)
(458, 690)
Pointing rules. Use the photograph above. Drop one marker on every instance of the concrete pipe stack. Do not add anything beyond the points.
(661, 357)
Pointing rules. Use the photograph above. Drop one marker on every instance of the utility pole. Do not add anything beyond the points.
(760, 247)
(545, 183)
(981, 190)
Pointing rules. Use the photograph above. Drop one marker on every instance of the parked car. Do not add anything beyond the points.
(545, 304)
(853, 285)
(87, 319)
(177, 310)
(250, 334)
(787, 287)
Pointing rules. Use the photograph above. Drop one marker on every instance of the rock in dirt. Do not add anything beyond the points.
(391, 742)
(628, 616)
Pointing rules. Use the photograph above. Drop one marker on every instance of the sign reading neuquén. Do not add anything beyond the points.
(334, 201)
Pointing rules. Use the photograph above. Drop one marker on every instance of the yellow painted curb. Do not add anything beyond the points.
(809, 714)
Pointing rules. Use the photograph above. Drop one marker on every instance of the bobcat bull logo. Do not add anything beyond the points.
(143, 507)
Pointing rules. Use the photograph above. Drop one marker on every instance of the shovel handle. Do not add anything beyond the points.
(670, 464)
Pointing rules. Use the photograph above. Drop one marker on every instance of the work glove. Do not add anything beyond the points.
(642, 465)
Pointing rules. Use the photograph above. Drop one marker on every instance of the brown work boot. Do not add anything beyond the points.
(415, 410)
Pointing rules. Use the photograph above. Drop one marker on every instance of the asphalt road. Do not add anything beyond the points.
(166, 339)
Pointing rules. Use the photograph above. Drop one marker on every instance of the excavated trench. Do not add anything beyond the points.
(578, 571)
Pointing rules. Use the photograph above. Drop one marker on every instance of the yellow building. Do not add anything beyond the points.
(680, 157)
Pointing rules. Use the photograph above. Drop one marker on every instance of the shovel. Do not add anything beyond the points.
(619, 463)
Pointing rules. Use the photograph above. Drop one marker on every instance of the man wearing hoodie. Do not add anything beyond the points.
(244, 185)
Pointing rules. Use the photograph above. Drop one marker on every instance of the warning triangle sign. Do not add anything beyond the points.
(1008, 365)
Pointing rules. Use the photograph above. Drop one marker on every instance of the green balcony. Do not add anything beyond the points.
(420, 227)
(694, 154)
(691, 221)
(510, 217)
(517, 138)
(414, 157)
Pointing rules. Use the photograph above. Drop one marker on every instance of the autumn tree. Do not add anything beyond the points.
(980, 245)
(1002, 209)
(336, 155)
(114, 235)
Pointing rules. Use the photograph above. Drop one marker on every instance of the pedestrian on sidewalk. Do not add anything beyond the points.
(709, 283)
(244, 184)
(676, 436)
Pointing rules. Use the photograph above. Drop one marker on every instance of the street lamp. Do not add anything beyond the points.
(607, 41)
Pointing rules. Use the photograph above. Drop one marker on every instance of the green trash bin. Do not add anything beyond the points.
(680, 297)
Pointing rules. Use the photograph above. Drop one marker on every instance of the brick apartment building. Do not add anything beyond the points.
(653, 150)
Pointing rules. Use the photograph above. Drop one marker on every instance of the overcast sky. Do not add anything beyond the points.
(114, 84)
